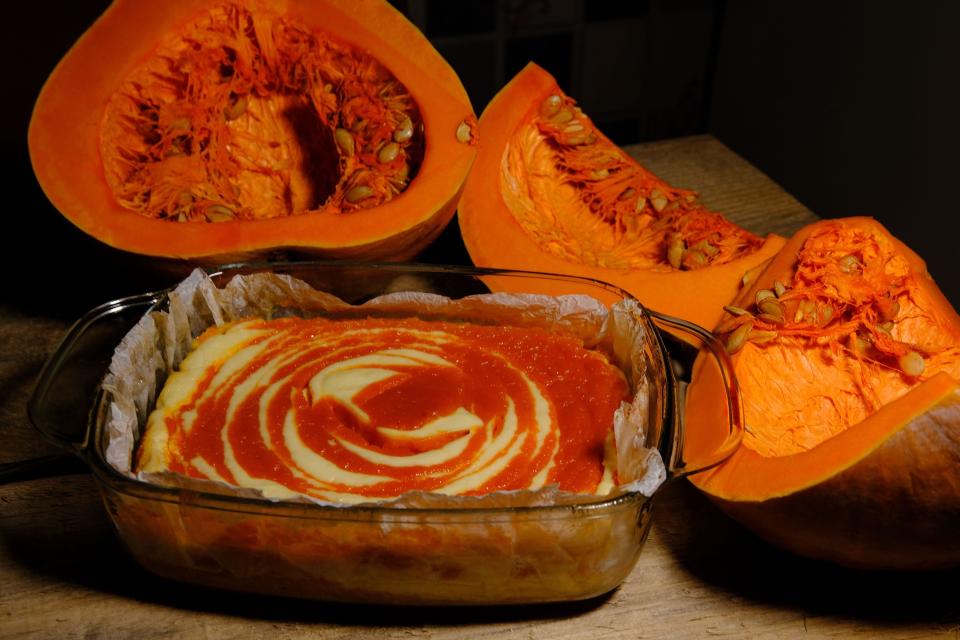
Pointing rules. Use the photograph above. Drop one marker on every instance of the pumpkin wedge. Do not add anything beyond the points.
(549, 192)
(848, 360)
(210, 130)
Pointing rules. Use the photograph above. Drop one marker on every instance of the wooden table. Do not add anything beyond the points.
(62, 574)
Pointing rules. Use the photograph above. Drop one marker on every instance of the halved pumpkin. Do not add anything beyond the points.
(848, 358)
(216, 129)
(549, 192)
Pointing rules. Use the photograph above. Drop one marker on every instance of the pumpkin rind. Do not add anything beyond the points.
(896, 508)
(884, 492)
(494, 238)
(65, 146)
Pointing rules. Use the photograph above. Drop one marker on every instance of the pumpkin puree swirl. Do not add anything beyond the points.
(356, 410)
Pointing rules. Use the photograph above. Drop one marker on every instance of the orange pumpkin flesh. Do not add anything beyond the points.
(849, 368)
(211, 129)
(549, 192)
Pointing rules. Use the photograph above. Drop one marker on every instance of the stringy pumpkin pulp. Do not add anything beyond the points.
(582, 199)
(846, 332)
(251, 115)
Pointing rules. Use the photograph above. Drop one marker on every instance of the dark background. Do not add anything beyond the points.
(852, 106)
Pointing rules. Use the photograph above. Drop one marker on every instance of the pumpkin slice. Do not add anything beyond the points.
(219, 129)
(549, 192)
(848, 359)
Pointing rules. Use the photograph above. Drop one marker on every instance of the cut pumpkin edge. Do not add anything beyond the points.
(748, 477)
(697, 295)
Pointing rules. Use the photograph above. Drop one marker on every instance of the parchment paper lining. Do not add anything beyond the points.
(161, 339)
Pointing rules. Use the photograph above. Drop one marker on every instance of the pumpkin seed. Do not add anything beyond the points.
(358, 193)
(404, 130)
(562, 116)
(599, 174)
(641, 205)
(728, 325)
(550, 106)
(771, 318)
(235, 109)
(771, 306)
(573, 139)
(779, 288)
(675, 250)
(746, 278)
(464, 132)
(764, 294)
(859, 344)
(627, 193)
(219, 213)
(344, 140)
(658, 200)
(912, 363)
(849, 263)
(737, 339)
(736, 311)
(388, 153)
(760, 336)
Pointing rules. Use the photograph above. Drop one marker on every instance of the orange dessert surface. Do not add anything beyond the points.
(354, 411)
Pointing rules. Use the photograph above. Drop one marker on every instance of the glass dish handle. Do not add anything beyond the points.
(709, 422)
(66, 389)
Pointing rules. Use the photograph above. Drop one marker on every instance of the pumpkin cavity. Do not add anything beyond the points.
(847, 330)
(248, 115)
(582, 199)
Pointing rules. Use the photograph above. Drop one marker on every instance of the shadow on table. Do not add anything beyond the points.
(57, 528)
(720, 552)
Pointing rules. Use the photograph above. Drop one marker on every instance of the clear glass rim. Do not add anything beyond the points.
(234, 268)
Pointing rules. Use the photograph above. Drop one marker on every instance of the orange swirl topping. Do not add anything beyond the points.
(358, 410)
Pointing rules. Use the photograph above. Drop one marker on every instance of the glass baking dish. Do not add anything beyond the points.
(384, 554)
